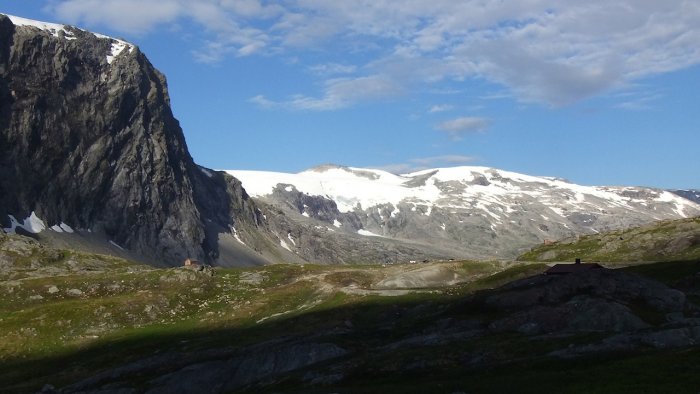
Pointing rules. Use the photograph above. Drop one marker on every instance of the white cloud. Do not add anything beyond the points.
(636, 100)
(134, 16)
(262, 102)
(332, 69)
(440, 108)
(339, 93)
(456, 128)
(554, 52)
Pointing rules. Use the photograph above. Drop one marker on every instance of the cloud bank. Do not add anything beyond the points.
(553, 52)
(457, 128)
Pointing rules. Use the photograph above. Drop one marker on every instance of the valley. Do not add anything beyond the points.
(111, 323)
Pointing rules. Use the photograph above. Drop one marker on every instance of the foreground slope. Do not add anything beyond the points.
(670, 240)
(91, 155)
(459, 212)
(90, 323)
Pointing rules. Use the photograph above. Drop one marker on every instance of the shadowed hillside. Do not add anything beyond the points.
(83, 322)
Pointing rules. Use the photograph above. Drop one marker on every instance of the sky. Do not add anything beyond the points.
(601, 92)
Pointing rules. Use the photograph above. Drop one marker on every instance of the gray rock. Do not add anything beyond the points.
(213, 371)
(597, 300)
(74, 292)
(603, 283)
(235, 373)
(673, 338)
(583, 315)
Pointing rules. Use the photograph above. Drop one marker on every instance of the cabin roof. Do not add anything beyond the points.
(571, 268)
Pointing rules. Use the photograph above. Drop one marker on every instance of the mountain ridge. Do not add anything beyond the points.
(462, 212)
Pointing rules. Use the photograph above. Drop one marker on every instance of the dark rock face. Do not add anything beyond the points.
(95, 145)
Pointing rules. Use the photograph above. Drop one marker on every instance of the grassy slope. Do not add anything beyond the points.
(672, 240)
(125, 312)
(84, 312)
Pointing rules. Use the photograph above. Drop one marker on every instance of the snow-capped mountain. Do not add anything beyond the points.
(458, 212)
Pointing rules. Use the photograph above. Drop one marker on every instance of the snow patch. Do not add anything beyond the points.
(305, 214)
(238, 237)
(118, 47)
(289, 236)
(284, 245)
(115, 245)
(367, 233)
(62, 228)
(31, 224)
(336, 223)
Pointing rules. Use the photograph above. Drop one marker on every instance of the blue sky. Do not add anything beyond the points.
(605, 92)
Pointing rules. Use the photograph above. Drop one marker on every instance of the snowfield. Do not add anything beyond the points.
(490, 190)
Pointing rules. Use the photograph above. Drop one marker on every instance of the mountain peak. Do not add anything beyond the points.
(326, 167)
(475, 211)
(70, 33)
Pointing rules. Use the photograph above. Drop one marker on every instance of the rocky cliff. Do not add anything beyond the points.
(88, 144)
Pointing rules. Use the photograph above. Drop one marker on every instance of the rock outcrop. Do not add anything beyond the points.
(596, 301)
(213, 371)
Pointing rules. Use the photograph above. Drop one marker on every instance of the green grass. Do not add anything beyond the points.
(127, 312)
(671, 240)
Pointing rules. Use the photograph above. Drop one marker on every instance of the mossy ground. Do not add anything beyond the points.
(66, 314)
(63, 328)
(670, 240)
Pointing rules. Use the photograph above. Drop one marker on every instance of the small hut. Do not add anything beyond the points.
(190, 262)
